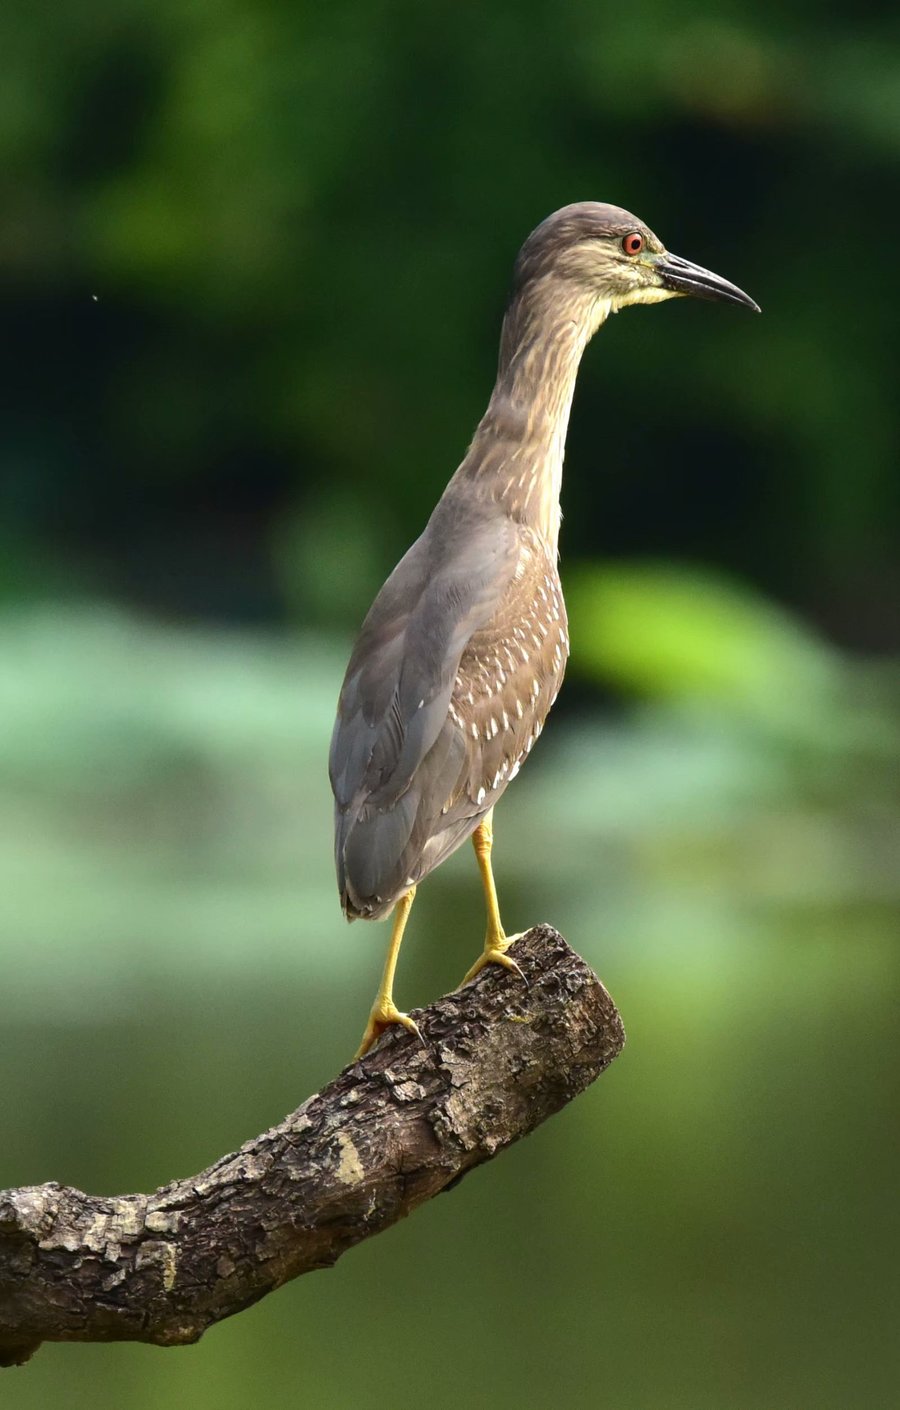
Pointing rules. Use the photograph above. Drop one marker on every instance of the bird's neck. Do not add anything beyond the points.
(518, 449)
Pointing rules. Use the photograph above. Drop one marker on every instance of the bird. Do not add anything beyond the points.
(462, 653)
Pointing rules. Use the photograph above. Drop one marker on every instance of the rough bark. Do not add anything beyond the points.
(392, 1130)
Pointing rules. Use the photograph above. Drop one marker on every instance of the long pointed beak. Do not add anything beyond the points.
(682, 277)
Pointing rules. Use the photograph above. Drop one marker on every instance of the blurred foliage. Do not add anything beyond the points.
(688, 637)
(254, 259)
(252, 267)
(663, 630)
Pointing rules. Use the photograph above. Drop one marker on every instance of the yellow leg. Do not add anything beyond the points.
(384, 1010)
(496, 942)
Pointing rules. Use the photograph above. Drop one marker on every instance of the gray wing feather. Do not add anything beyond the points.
(393, 708)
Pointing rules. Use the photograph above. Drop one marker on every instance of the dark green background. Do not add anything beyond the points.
(253, 262)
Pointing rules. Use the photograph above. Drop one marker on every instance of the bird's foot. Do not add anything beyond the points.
(494, 952)
(385, 1015)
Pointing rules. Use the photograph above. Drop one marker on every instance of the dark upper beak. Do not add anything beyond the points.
(686, 278)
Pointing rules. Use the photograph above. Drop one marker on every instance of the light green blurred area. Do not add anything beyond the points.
(713, 1225)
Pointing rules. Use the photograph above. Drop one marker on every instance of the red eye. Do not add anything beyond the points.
(633, 243)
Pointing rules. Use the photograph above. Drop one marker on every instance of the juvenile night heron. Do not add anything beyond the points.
(463, 650)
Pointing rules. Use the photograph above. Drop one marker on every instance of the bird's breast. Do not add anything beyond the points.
(510, 673)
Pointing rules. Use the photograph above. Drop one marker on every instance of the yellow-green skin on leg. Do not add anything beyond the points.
(496, 941)
(384, 1011)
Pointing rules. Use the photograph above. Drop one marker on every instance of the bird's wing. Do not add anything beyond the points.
(396, 695)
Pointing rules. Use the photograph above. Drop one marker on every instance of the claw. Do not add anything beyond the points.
(495, 953)
(383, 1017)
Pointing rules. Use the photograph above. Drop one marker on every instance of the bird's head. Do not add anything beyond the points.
(616, 259)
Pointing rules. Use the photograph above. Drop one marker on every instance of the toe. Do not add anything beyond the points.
(382, 1018)
(493, 954)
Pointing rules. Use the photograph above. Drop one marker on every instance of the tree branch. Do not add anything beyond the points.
(391, 1131)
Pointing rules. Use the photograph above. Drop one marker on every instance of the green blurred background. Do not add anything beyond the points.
(253, 261)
